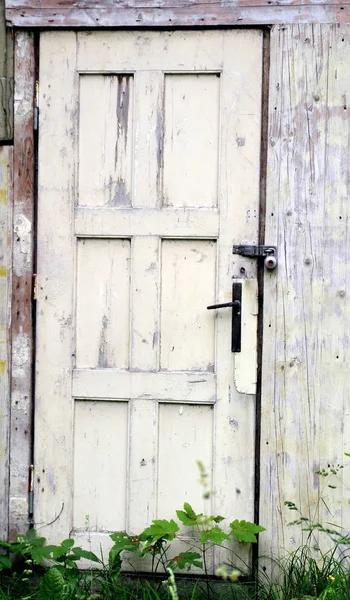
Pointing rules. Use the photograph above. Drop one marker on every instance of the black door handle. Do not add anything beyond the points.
(236, 322)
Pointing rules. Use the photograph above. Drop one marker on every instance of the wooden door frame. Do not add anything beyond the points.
(22, 306)
(22, 347)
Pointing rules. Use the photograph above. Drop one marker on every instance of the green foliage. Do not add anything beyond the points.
(33, 548)
(52, 586)
(158, 531)
(64, 581)
(244, 531)
(185, 560)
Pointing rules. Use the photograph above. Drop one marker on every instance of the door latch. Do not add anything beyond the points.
(268, 253)
(236, 322)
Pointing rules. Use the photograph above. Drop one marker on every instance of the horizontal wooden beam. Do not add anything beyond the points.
(167, 13)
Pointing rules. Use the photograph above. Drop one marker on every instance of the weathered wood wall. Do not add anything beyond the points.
(6, 133)
(172, 13)
(22, 279)
(306, 385)
(6, 79)
(5, 291)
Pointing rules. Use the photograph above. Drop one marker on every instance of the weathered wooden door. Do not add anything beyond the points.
(148, 173)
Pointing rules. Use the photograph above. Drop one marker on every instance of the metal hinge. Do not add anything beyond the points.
(269, 253)
(36, 107)
(31, 491)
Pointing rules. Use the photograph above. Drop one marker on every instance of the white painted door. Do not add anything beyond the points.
(148, 173)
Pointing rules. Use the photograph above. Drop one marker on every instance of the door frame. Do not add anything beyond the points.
(24, 185)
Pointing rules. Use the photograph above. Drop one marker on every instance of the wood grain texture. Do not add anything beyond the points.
(23, 191)
(6, 79)
(172, 13)
(5, 316)
(305, 385)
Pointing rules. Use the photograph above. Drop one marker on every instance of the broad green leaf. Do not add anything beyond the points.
(67, 544)
(52, 586)
(70, 563)
(244, 531)
(159, 529)
(189, 510)
(5, 563)
(123, 541)
(81, 553)
(38, 554)
(215, 535)
(187, 560)
(217, 519)
(185, 519)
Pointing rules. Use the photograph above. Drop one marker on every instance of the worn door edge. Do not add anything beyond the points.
(262, 213)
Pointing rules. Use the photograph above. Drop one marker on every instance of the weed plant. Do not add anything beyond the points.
(305, 574)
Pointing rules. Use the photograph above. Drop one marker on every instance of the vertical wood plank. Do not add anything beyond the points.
(56, 257)
(305, 387)
(22, 340)
(148, 145)
(240, 155)
(5, 299)
(143, 465)
(6, 79)
(145, 318)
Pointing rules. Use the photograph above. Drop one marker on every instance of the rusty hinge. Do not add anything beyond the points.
(36, 107)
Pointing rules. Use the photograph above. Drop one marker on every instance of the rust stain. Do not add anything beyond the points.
(3, 196)
(3, 271)
(2, 367)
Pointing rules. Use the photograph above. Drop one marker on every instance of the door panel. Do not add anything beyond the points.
(148, 173)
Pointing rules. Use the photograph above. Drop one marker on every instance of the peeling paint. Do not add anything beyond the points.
(20, 355)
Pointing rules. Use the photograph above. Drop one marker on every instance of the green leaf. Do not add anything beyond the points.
(185, 519)
(158, 530)
(67, 544)
(189, 510)
(52, 586)
(123, 541)
(81, 553)
(217, 519)
(244, 531)
(187, 560)
(215, 535)
(188, 517)
(5, 563)
(114, 560)
(38, 554)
